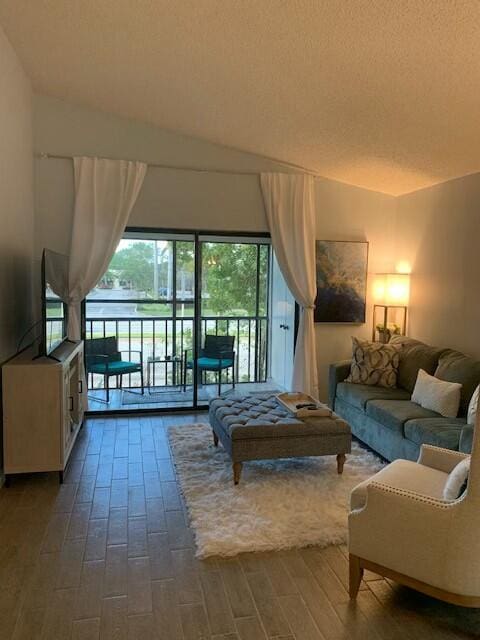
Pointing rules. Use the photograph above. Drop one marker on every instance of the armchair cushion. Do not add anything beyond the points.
(405, 475)
(456, 481)
(359, 394)
(440, 432)
(115, 368)
(473, 406)
(212, 364)
(393, 414)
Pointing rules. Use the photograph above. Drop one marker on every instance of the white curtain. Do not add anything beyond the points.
(290, 208)
(105, 192)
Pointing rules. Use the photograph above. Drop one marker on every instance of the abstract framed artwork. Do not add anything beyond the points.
(341, 268)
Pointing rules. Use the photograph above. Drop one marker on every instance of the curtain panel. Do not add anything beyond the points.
(290, 207)
(105, 192)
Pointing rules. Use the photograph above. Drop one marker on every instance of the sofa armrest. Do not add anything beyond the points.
(441, 459)
(338, 371)
(466, 439)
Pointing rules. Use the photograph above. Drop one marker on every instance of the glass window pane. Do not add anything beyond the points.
(185, 310)
(163, 270)
(185, 270)
(263, 280)
(131, 310)
(229, 280)
(131, 272)
(54, 309)
(154, 309)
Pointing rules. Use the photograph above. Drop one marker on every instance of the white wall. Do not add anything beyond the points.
(350, 213)
(16, 200)
(439, 232)
(16, 204)
(192, 200)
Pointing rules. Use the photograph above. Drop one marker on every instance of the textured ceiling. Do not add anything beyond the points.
(384, 94)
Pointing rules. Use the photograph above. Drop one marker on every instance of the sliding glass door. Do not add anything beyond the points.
(234, 303)
(192, 309)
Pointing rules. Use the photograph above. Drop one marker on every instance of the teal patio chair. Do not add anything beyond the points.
(103, 357)
(217, 355)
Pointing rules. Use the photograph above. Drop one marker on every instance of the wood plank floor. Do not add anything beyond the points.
(109, 555)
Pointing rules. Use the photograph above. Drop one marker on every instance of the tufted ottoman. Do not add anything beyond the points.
(256, 427)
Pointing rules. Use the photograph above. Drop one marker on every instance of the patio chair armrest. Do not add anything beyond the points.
(130, 351)
(440, 459)
(226, 355)
(97, 358)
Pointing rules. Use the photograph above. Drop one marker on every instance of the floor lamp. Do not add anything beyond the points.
(391, 292)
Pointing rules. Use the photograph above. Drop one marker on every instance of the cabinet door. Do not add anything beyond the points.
(67, 405)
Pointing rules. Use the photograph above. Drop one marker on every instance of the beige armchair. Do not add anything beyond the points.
(401, 528)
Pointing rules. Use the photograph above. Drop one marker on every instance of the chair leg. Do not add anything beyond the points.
(233, 374)
(237, 472)
(340, 462)
(215, 438)
(219, 382)
(355, 575)
(121, 381)
(107, 389)
(141, 381)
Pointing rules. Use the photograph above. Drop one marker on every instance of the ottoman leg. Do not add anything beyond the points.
(340, 462)
(237, 472)
(215, 438)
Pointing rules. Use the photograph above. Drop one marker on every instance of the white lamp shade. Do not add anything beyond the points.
(391, 289)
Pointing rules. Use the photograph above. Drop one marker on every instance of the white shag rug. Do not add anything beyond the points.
(279, 504)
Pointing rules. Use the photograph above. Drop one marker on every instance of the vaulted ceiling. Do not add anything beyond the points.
(383, 94)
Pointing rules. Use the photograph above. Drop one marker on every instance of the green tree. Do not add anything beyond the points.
(135, 265)
(229, 273)
(230, 278)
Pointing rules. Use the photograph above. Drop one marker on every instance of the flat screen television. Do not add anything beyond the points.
(54, 310)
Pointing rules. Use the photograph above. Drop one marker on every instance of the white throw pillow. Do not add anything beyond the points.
(472, 407)
(456, 479)
(437, 395)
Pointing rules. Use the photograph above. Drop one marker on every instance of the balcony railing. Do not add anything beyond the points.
(160, 337)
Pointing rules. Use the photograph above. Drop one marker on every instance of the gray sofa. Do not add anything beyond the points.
(386, 419)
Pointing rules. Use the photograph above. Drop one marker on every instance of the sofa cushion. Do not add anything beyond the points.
(435, 394)
(414, 355)
(393, 414)
(441, 432)
(359, 394)
(403, 474)
(454, 366)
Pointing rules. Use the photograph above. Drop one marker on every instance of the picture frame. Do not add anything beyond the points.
(341, 273)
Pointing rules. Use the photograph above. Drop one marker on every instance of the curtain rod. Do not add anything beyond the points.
(46, 156)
